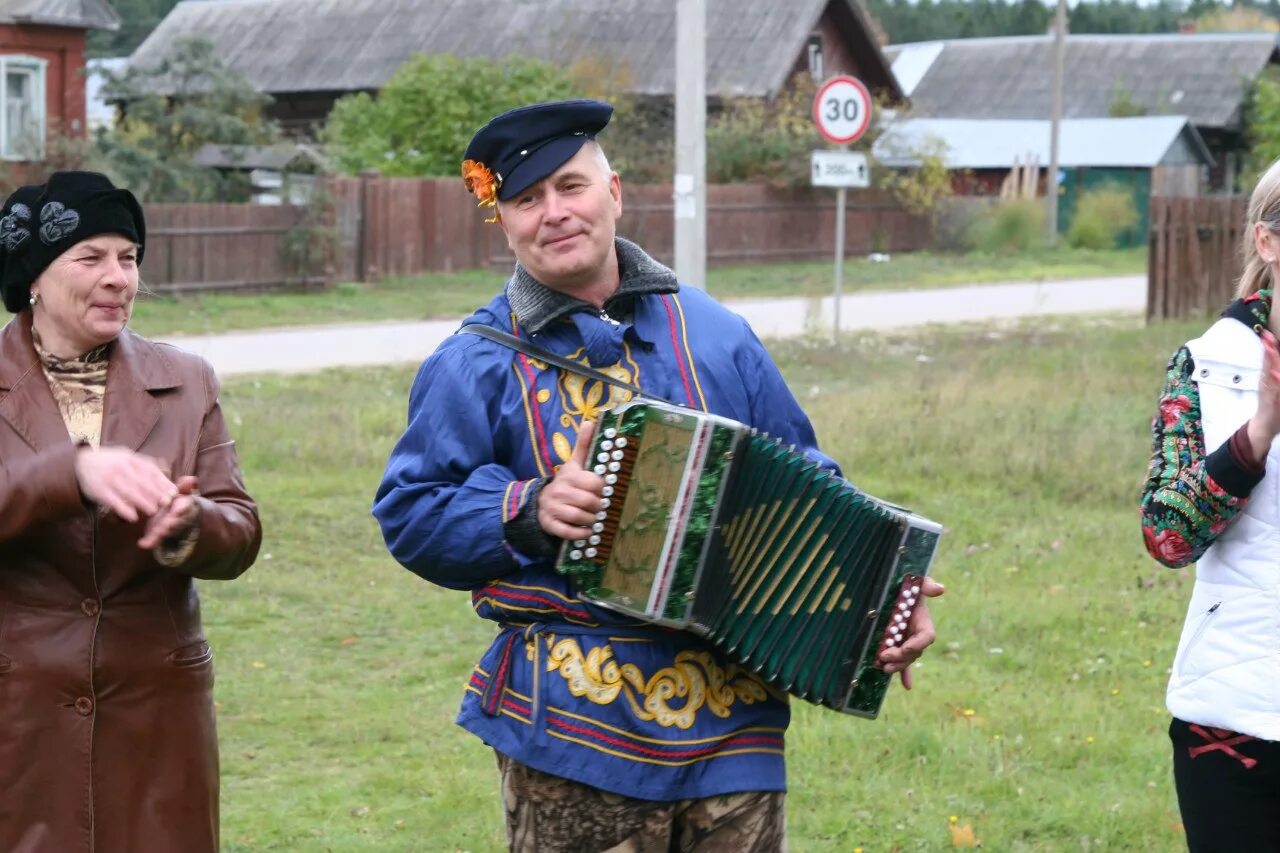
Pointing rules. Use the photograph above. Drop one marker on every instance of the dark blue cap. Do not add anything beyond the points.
(524, 145)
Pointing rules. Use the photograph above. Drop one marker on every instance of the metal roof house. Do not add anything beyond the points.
(1144, 142)
(1205, 77)
(42, 61)
(308, 53)
(74, 14)
(1148, 155)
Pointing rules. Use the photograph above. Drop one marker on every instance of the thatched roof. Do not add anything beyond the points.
(285, 46)
(77, 14)
(1203, 76)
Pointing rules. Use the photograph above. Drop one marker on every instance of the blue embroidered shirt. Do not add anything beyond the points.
(568, 688)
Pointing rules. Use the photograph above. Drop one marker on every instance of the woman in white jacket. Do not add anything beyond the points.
(1212, 496)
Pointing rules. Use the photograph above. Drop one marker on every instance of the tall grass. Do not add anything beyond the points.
(1102, 216)
(1037, 718)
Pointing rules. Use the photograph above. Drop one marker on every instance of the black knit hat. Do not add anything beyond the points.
(39, 223)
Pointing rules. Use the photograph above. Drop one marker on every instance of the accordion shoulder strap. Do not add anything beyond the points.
(543, 354)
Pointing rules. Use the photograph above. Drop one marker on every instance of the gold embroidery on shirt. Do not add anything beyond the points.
(583, 398)
(673, 696)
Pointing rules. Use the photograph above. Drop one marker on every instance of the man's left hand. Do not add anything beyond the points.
(920, 635)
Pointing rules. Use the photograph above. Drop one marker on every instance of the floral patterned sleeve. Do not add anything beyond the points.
(1191, 494)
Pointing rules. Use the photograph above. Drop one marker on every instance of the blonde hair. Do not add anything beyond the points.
(1264, 207)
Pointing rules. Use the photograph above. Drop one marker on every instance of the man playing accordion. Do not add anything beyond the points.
(608, 731)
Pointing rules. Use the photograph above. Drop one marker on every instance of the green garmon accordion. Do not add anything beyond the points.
(710, 526)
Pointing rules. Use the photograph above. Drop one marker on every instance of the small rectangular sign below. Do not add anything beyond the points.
(840, 169)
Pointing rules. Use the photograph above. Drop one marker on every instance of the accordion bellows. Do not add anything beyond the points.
(712, 527)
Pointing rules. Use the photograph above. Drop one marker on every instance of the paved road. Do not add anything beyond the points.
(308, 348)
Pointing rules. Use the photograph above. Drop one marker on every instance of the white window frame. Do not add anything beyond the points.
(38, 68)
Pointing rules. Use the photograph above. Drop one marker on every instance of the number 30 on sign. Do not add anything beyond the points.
(842, 109)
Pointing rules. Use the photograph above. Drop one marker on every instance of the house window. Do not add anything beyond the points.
(22, 114)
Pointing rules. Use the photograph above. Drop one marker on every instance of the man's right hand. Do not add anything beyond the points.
(568, 504)
(129, 484)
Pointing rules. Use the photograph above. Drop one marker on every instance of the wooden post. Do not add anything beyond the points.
(1055, 121)
(690, 185)
(363, 228)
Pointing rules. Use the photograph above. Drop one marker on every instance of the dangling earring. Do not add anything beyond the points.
(35, 297)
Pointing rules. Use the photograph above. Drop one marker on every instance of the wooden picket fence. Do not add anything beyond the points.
(405, 226)
(1194, 255)
(375, 227)
(225, 247)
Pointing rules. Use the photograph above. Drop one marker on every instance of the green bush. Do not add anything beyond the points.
(1262, 128)
(1008, 228)
(424, 116)
(1101, 217)
(764, 140)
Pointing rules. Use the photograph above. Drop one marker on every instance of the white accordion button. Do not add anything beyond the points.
(594, 540)
(602, 457)
(599, 469)
(891, 642)
(911, 602)
(610, 432)
(604, 503)
(591, 552)
(616, 455)
(615, 467)
(597, 528)
(621, 442)
(579, 542)
(606, 445)
(610, 479)
(607, 492)
(902, 606)
(915, 590)
(600, 516)
(575, 554)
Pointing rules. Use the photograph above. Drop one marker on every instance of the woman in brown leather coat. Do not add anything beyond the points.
(118, 487)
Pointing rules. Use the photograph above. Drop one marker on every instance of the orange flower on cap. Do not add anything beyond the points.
(482, 183)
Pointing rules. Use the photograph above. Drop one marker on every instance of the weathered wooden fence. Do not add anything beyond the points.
(209, 247)
(403, 226)
(1194, 255)
(377, 227)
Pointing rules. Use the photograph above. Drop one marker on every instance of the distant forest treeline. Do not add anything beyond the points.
(905, 21)
(137, 19)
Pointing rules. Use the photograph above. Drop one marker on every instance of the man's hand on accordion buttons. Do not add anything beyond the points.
(920, 635)
(568, 504)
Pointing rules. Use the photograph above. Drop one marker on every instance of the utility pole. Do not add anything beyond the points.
(690, 182)
(1055, 121)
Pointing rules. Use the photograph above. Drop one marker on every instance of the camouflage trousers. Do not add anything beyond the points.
(548, 814)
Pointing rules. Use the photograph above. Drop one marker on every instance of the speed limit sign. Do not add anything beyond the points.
(842, 109)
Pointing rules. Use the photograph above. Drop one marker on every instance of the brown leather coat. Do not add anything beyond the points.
(107, 738)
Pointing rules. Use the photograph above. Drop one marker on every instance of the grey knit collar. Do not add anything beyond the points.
(537, 305)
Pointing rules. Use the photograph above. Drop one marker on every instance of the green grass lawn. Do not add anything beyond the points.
(1037, 719)
(457, 294)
